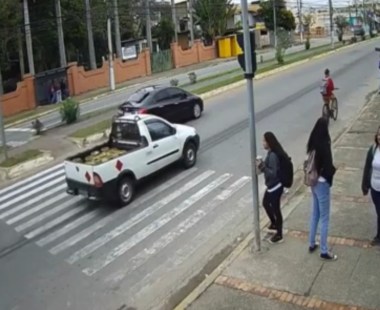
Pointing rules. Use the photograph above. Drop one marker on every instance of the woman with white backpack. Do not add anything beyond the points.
(371, 180)
(319, 174)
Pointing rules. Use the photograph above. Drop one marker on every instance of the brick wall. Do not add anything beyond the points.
(81, 81)
(196, 54)
(22, 99)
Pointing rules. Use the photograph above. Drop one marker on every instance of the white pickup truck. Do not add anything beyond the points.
(138, 146)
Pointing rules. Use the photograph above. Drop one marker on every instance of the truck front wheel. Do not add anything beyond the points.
(126, 191)
(189, 156)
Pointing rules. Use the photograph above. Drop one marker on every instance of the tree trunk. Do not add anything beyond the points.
(21, 53)
(91, 47)
(61, 40)
(28, 38)
(117, 28)
(3, 143)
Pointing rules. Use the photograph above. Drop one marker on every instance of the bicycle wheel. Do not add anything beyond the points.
(334, 108)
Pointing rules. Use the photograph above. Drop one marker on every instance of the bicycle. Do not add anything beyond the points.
(332, 112)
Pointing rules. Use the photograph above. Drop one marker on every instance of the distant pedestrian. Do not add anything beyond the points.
(272, 175)
(371, 180)
(320, 179)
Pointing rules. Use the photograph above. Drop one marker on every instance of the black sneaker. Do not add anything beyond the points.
(313, 248)
(272, 227)
(329, 257)
(276, 239)
(375, 241)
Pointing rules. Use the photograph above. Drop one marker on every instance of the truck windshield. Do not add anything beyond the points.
(126, 131)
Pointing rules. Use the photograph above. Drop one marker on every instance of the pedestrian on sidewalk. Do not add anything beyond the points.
(371, 180)
(272, 197)
(319, 145)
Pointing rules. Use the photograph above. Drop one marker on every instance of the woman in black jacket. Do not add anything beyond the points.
(320, 143)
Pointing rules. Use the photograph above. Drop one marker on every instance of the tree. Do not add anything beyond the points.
(284, 18)
(341, 23)
(164, 32)
(283, 43)
(308, 21)
(213, 15)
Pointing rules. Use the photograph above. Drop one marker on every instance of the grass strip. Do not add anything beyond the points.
(20, 158)
(92, 129)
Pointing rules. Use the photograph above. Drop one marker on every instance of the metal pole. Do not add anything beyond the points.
(61, 40)
(148, 26)
(191, 23)
(251, 107)
(110, 55)
(91, 47)
(174, 17)
(28, 38)
(331, 24)
(2, 128)
(274, 22)
(300, 20)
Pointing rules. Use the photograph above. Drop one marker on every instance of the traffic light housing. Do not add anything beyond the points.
(241, 57)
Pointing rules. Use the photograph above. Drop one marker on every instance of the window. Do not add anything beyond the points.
(126, 131)
(159, 130)
(140, 95)
(162, 96)
(175, 93)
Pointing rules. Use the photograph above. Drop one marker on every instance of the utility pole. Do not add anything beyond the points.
(91, 47)
(299, 5)
(110, 52)
(148, 26)
(2, 128)
(331, 24)
(274, 23)
(117, 28)
(174, 18)
(251, 106)
(191, 22)
(28, 38)
(61, 40)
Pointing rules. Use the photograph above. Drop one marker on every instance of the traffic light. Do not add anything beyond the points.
(241, 58)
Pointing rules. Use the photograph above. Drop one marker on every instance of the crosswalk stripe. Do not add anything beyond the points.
(154, 226)
(37, 208)
(137, 218)
(143, 256)
(30, 179)
(81, 235)
(30, 185)
(40, 189)
(47, 214)
(31, 202)
(188, 250)
(65, 229)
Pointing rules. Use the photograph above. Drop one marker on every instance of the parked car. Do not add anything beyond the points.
(358, 30)
(171, 103)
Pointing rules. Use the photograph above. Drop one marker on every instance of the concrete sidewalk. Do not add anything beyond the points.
(286, 276)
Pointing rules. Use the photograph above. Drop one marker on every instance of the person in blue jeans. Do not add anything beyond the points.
(320, 142)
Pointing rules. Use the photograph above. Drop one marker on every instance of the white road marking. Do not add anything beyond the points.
(81, 235)
(40, 189)
(47, 214)
(142, 257)
(154, 226)
(30, 179)
(31, 184)
(137, 218)
(31, 201)
(39, 207)
(65, 229)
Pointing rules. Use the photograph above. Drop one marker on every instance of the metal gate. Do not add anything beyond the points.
(162, 61)
(51, 86)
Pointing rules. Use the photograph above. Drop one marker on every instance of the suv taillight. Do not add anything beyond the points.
(97, 180)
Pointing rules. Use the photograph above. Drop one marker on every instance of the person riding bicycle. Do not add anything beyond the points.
(327, 88)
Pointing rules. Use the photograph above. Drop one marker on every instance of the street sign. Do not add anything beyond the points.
(241, 57)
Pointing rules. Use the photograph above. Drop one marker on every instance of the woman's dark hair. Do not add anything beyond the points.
(376, 139)
(319, 135)
(273, 144)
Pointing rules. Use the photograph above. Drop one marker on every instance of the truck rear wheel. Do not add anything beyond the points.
(126, 191)
(189, 156)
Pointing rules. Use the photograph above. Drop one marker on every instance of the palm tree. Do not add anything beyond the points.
(90, 35)
(61, 40)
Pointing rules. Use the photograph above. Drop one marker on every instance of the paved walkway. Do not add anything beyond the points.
(286, 276)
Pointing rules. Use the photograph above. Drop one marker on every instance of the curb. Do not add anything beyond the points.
(288, 207)
(18, 170)
(203, 96)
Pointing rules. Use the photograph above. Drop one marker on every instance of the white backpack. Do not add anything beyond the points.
(323, 87)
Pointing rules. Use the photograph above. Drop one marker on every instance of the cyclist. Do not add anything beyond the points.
(327, 88)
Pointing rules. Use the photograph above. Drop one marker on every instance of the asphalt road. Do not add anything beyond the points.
(22, 133)
(58, 252)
